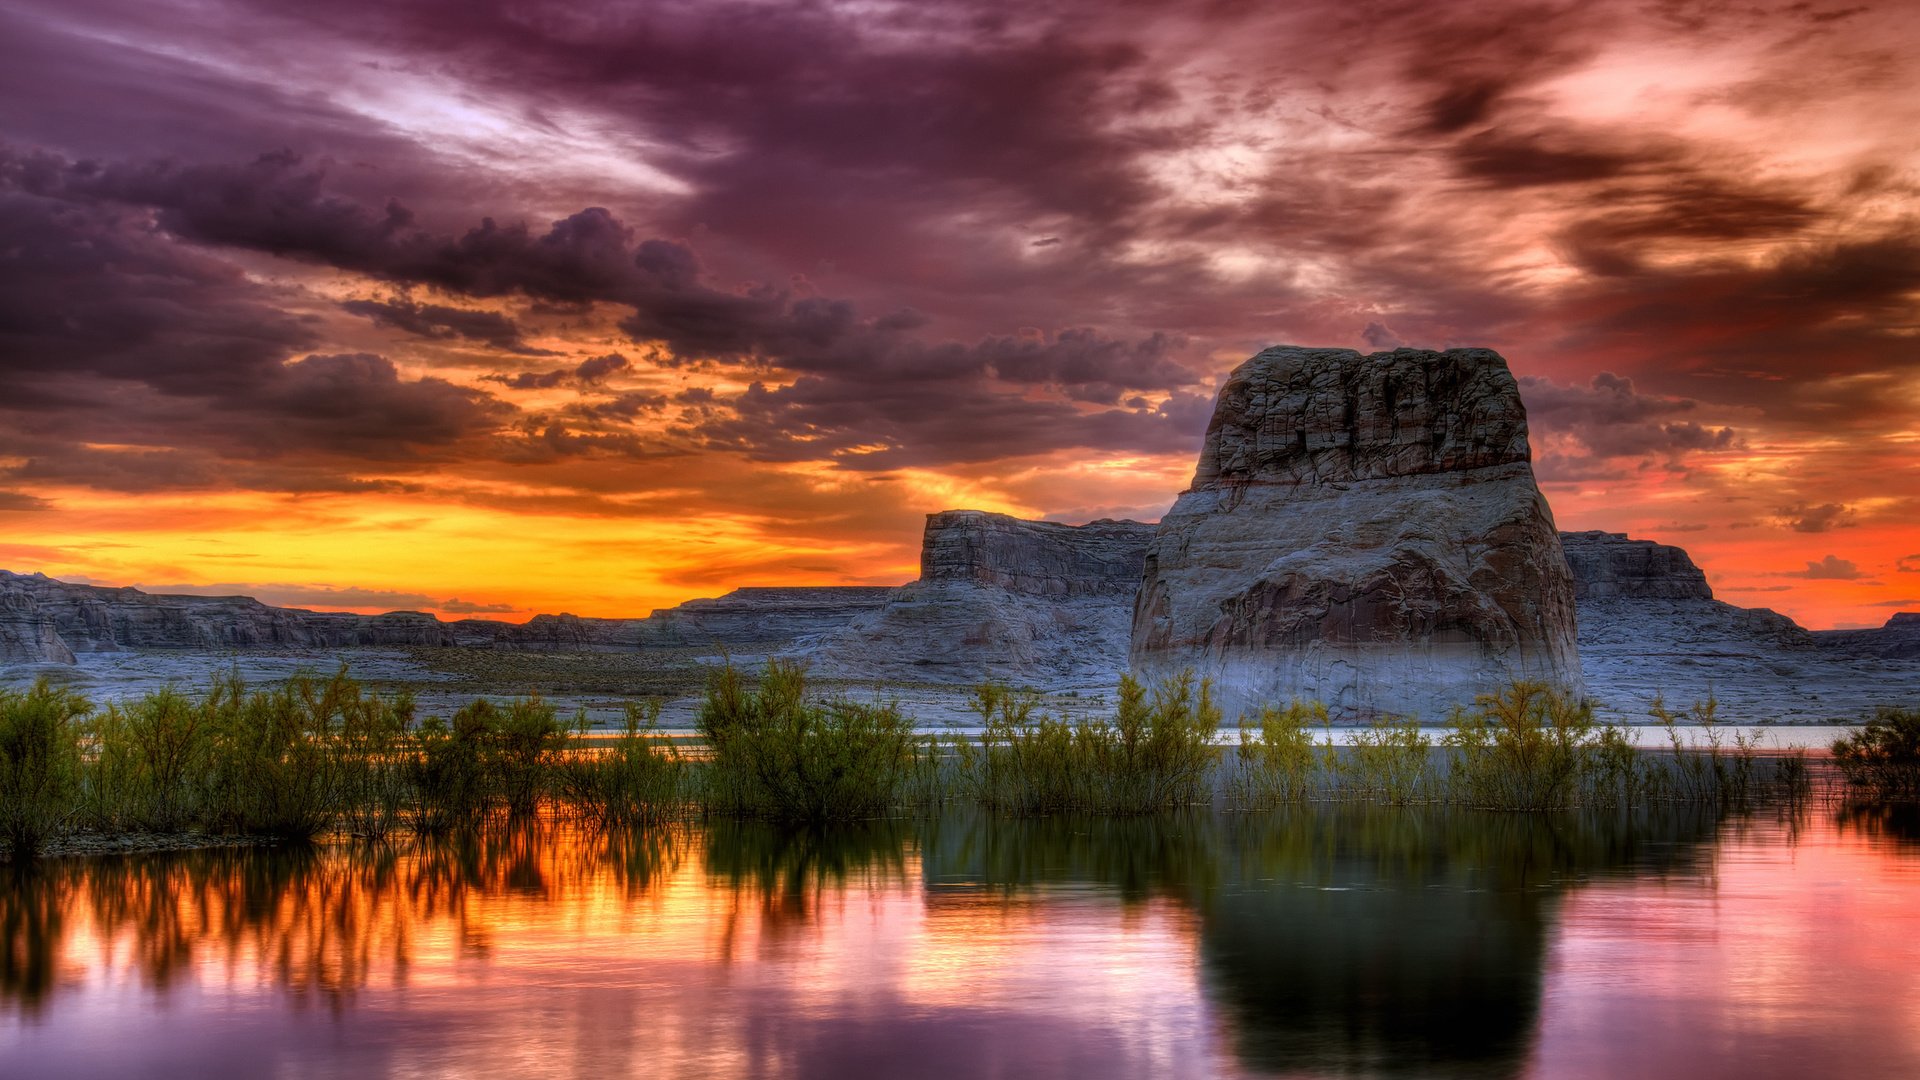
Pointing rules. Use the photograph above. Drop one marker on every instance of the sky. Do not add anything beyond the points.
(501, 308)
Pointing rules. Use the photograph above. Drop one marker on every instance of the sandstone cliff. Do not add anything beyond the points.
(1899, 639)
(27, 633)
(1025, 601)
(1363, 530)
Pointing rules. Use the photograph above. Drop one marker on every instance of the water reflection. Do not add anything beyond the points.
(1324, 941)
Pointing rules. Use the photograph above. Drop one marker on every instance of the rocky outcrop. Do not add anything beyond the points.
(1898, 639)
(1031, 602)
(43, 620)
(1610, 565)
(91, 618)
(1651, 628)
(28, 634)
(1641, 593)
(1362, 530)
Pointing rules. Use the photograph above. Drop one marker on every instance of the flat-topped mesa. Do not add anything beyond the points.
(1361, 530)
(1039, 558)
(1608, 564)
(1032, 602)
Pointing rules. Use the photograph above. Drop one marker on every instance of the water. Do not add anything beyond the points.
(1329, 942)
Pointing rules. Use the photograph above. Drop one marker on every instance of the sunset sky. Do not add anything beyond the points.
(506, 308)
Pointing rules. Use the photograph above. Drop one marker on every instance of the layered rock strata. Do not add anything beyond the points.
(1361, 530)
(43, 620)
(1899, 639)
(28, 634)
(1031, 602)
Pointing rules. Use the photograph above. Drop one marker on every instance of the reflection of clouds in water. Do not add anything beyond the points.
(1324, 940)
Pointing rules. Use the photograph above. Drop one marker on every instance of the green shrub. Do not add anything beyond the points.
(1528, 746)
(1278, 762)
(1882, 759)
(777, 754)
(1155, 753)
(447, 772)
(1389, 761)
(371, 748)
(39, 765)
(639, 780)
(525, 743)
(272, 770)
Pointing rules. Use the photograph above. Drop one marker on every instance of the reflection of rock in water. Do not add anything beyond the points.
(1404, 943)
(1340, 940)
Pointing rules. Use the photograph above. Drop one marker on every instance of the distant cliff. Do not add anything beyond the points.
(1002, 598)
(43, 620)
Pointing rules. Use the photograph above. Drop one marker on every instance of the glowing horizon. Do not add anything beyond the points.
(503, 310)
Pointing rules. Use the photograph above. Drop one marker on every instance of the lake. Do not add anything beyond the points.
(1322, 941)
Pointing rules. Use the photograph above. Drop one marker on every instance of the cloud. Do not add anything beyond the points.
(1814, 519)
(1830, 568)
(440, 323)
(1908, 564)
(586, 373)
(1584, 429)
(457, 606)
(20, 501)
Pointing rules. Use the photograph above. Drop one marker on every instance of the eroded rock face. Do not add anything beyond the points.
(28, 634)
(1031, 602)
(90, 618)
(1361, 530)
(1606, 565)
(1898, 639)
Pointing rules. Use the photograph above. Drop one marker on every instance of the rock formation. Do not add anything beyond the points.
(27, 634)
(1650, 627)
(1899, 639)
(43, 620)
(1363, 530)
(998, 597)
(90, 618)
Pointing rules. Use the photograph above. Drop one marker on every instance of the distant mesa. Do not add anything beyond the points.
(1002, 598)
(1363, 530)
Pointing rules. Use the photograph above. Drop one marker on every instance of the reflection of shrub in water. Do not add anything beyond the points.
(789, 868)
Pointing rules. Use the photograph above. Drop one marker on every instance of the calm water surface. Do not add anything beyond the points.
(1311, 943)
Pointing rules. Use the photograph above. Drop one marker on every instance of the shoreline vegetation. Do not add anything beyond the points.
(318, 755)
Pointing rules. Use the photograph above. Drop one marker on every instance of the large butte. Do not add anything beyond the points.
(1364, 531)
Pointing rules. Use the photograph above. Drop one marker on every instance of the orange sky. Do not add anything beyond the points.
(519, 309)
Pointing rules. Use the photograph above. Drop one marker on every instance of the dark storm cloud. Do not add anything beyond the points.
(1610, 419)
(440, 322)
(587, 373)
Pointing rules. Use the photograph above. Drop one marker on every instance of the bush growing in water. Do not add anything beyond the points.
(1528, 746)
(1882, 759)
(39, 764)
(1155, 753)
(1278, 762)
(779, 755)
(638, 780)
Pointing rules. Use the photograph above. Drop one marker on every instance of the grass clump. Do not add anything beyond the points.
(780, 755)
(40, 778)
(1882, 759)
(1157, 752)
